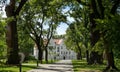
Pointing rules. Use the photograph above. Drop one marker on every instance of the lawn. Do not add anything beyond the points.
(25, 66)
(6, 68)
(81, 66)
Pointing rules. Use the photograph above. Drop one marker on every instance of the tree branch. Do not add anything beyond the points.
(101, 8)
(115, 6)
(20, 7)
(94, 8)
(83, 3)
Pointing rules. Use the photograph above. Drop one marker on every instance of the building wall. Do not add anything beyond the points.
(57, 51)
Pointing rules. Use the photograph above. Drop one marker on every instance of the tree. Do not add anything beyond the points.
(109, 28)
(11, 35)
(72, 40)
(47, 40)
(103, 15)
(91, 6)
(38, 14)
(102, 10)
(80, 24)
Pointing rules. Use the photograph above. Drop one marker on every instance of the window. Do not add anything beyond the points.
(66, 52)
(58, 49)
(69, 52)
(61, 52)
(50, 47)
(61, 47)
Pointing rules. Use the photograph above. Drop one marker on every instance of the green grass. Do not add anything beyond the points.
(82, 66)
(25, 66)
(6, 68)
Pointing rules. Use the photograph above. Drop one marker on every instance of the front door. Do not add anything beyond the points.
(64, 57)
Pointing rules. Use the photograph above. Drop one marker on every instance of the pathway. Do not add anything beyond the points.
(61, 66)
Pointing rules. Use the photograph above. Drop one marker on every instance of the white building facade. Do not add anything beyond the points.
(57, 50)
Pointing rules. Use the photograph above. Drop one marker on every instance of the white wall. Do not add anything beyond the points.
(55, 53)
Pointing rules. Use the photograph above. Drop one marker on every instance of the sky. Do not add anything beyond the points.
(61, 29)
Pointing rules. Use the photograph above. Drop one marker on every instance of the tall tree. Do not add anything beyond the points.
(103, 10)
(73, 40)
(81, 23)
(12, 11)
(37, 15)
(47, 40)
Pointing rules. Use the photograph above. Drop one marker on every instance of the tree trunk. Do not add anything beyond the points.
(11, 31)
(110, 62)
(12, 36)
(87, 51)
(95, 35)
(79, 55)
(87, 55)
(95, 58)
(40, 54)
(46, 55)
(12, 43)
(110, 58)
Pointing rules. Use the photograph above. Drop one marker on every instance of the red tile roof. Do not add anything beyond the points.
(58, 41)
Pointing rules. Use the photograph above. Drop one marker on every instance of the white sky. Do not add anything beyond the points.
(62, 29)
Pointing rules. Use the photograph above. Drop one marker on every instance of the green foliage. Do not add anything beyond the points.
(2, 38)
(28, 58)
(99, 46)
(25, 42)
(59, 36)
(109, 28)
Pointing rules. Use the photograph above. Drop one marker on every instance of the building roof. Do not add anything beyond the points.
(58, 41)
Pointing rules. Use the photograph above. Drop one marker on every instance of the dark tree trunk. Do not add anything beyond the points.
(110, 58)
(11, 31)
(110, 62)
(79, 54)
(40, 54)
(87, 56)
(12, 43)
(46, 55)
(95, 35)
(87, 51)
(11, 35)
(95, 58)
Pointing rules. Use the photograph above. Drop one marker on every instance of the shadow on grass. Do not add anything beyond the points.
(82, 65)
(29, 66)
(7, 68)
(6, 71)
